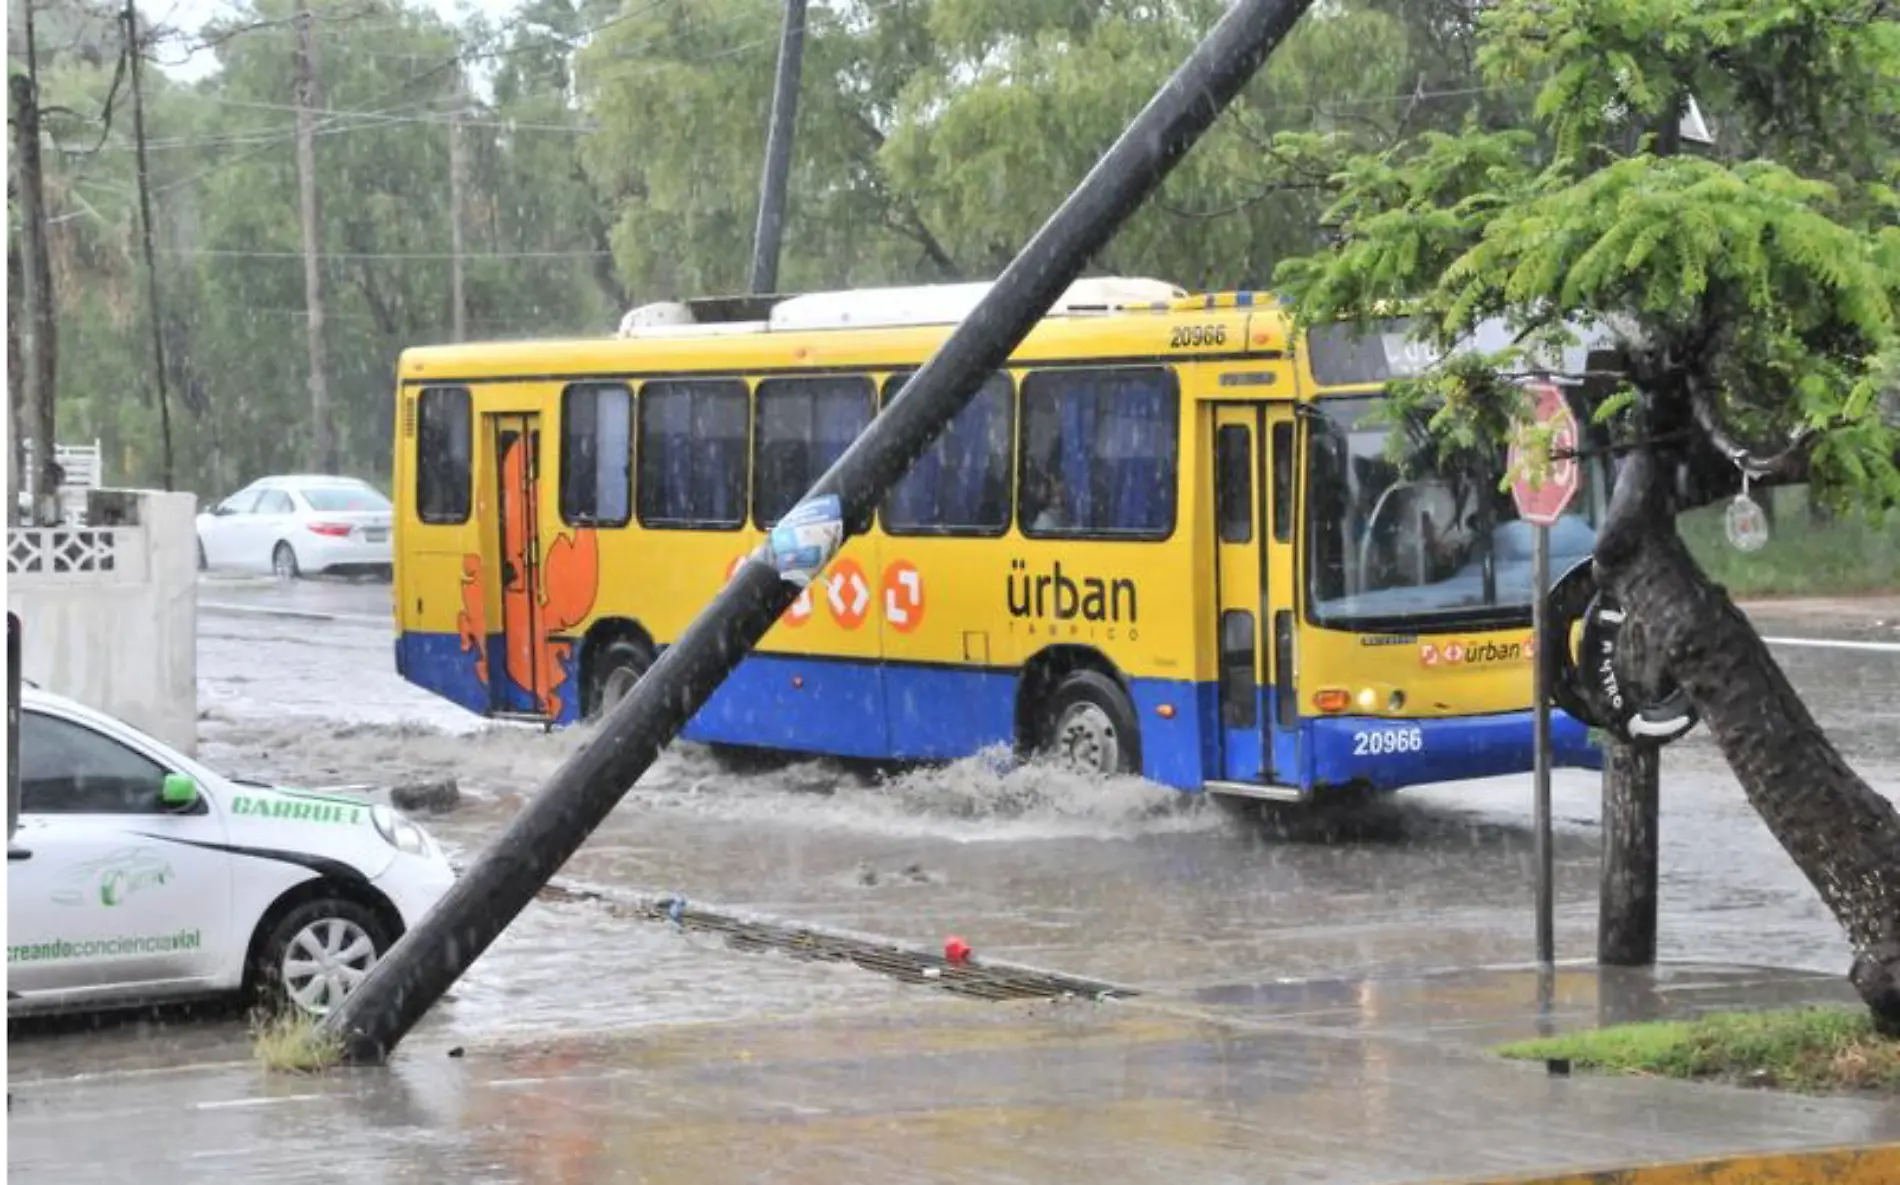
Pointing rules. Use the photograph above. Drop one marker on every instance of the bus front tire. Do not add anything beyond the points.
(613, 674)
(1089, 726)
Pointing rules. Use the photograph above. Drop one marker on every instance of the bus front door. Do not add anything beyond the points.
(1240, 581)
(516, 687)
(1253, 470)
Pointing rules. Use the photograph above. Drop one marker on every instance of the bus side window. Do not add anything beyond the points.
(693, 454)
(444, 432)
(1100, 453)
(802, 426)
(960, 486)
(596, 455)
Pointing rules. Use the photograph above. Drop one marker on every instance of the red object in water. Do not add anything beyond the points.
(956, 950)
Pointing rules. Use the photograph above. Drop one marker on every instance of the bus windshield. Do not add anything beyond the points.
(1393, 546)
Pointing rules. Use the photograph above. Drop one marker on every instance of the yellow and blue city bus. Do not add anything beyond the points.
(1167, 538)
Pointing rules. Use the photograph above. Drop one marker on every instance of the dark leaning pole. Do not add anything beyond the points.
(578, 796)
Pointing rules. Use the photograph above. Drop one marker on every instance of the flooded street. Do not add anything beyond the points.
(1128, 883)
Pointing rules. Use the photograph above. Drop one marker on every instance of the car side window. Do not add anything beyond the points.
(242, 502)
(275, 502)
(68, 769)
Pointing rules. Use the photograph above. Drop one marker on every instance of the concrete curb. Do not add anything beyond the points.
(1864, 1164)
(230, 610)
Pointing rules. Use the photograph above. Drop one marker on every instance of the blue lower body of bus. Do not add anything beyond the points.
(917, 712)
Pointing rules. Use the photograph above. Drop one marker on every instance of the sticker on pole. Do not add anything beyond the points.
(803, 542)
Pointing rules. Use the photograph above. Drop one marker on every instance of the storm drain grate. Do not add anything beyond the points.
(980, 979)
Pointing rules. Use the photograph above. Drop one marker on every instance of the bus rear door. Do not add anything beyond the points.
(514, 439)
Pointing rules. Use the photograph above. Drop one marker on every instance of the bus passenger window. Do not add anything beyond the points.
(443, 435)
(596, 454)
(803, 425)
(960, 486)
(1099, 453)
(692, 454)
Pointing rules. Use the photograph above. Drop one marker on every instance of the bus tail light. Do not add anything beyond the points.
(1332, 699)
(1165, 711)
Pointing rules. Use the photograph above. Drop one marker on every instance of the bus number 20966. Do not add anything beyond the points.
(1387, 740)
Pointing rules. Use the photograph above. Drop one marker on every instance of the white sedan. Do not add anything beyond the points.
(138, 876)
(295, 525)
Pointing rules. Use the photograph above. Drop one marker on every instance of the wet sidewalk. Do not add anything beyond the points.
(1320, 1081)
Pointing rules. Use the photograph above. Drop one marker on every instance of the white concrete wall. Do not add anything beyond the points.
(109, 614)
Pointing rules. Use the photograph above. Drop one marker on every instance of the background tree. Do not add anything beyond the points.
(1751, 299)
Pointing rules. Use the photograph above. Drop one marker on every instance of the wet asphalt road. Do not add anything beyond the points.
(1123, 882)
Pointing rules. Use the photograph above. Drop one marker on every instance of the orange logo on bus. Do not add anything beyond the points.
(903, 596)
(849, 594)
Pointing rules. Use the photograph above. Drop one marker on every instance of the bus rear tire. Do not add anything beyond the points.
(1089, 727)
(613, 674)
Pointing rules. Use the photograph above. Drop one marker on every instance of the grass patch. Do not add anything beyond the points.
(1811, 1050)
(1853, 553)
(292, 1042)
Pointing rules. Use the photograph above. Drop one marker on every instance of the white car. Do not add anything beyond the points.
(139, 876)
(298, 524)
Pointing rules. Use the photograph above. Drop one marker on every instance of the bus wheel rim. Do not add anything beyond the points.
(618, 683)
(1086, 739)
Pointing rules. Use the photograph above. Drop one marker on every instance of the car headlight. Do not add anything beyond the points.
(402, 834)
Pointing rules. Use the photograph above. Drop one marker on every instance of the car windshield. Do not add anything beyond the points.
(344, 498)
(1395, 545)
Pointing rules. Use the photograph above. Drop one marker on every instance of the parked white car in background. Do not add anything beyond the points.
(139, 876)
(297, 524)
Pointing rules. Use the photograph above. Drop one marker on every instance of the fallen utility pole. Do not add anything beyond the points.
(770, 231)
(402, 987)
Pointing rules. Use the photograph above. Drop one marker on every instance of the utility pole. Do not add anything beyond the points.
(322, 439)
(778, 150)
(42, 339)
(131, 19)
(16, 372)
(1628, 897)
(457, 181)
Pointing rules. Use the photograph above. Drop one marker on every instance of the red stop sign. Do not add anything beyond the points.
(1542, 503)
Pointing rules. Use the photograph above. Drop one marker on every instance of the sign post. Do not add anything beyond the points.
(1542, 494)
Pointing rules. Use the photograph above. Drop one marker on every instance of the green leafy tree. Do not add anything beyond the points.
(1749, 295)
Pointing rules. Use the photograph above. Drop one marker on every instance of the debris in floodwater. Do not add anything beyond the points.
(956, 950)
(436, 796)
(456, 1052)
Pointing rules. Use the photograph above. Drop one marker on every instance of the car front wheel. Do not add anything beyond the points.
(318, 953)
(283, 562)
